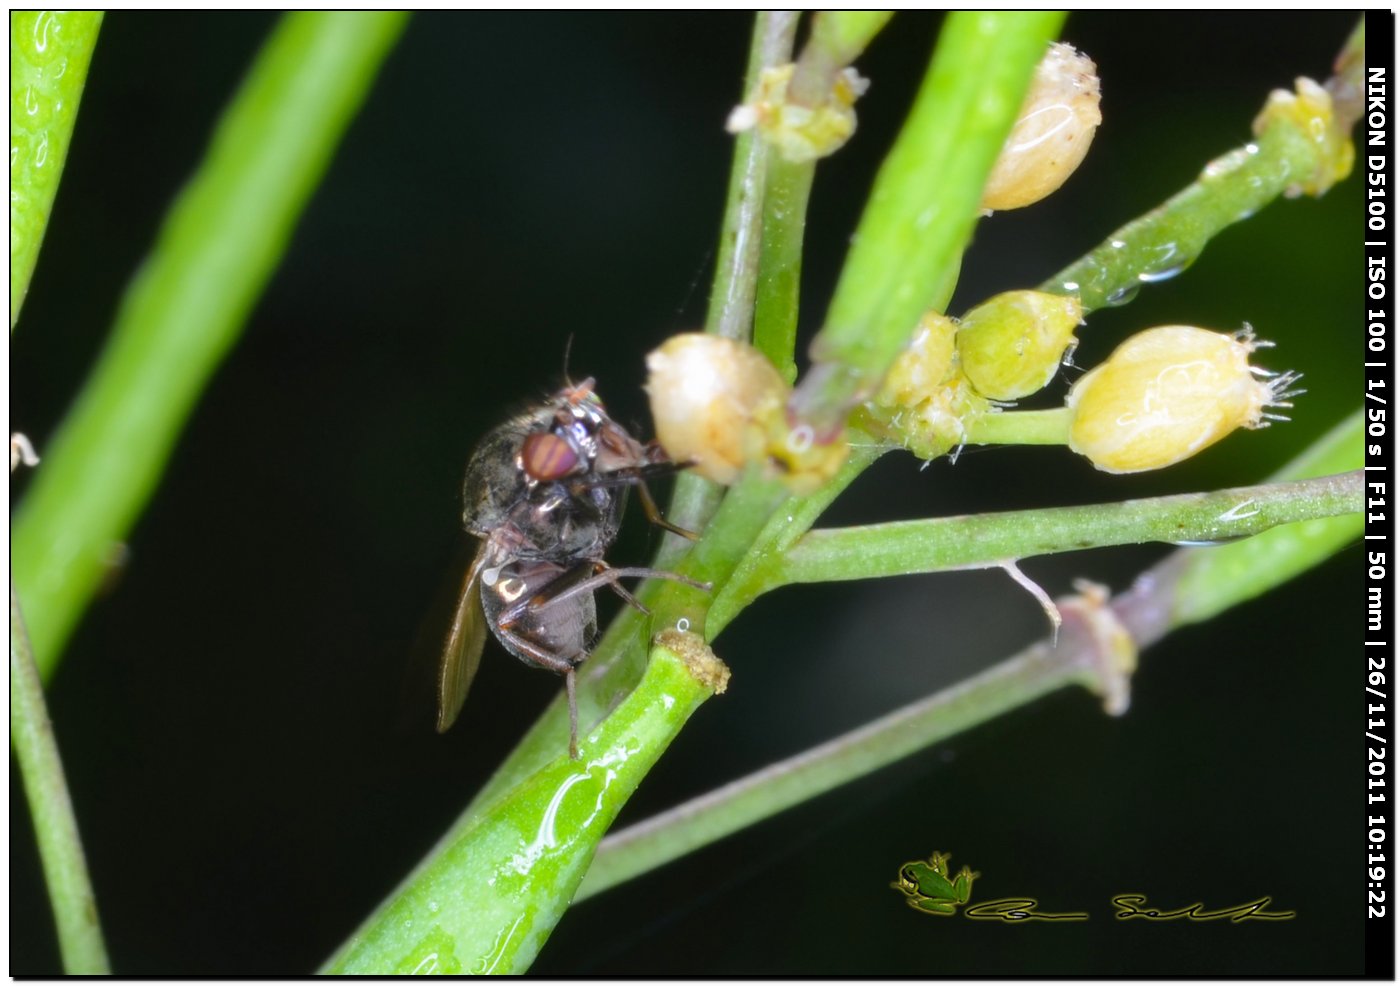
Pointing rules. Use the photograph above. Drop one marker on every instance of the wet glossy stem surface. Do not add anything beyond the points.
(1189, 585)
(1164, 242)
(487, 900)
(50, 51)
(55, 827)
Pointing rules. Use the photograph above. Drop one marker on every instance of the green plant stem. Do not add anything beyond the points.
(1159, 601)
(217, 249)
(986, 540)
(1212, 581)
(793, 518)
(780, 263)
(55, 826)
(1162, 243)
(681, 830)
(838, 38)
(926, 199)
(732, 294)
(50, 51)
(1048, 427)
(731, 309)
(488, 901)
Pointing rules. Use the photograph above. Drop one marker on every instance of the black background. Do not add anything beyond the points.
(228, 712)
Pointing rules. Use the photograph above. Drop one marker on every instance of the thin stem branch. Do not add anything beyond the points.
(695, 500)
(1047, 427)
(55, 826)
(984, 540)
(736, 273)
(1285, 158)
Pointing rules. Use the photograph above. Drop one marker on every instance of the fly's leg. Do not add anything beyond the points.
(606, 577)
(655, 516)
(551, 662)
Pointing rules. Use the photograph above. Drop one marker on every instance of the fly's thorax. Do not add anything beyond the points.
(566, 522)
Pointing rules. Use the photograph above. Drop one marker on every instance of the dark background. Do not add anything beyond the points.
(228, 712)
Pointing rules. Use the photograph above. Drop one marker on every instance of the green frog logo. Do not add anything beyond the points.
(927, 887)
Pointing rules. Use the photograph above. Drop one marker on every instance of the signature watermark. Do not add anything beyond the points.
(930, 887)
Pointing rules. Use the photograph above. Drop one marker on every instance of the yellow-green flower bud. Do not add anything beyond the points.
(800, 133)
(1011, 345)
(1167, 393)
(921, 369)
(1310, 111)
(1052, 134)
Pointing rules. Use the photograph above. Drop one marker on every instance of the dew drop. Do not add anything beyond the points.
(1210, 542)
(1122, 296)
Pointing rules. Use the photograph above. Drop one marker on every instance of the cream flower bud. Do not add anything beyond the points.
(923, 366)
(1052, 134)
(706, 393)
(1169, 392)
(800, 133)
(1011, 345)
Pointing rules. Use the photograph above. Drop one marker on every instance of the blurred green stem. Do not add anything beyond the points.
(1094, 648)
(220, 243)
(50, 51)
(838, 37)
(55, 826)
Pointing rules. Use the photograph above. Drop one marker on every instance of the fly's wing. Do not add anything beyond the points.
(461, 655)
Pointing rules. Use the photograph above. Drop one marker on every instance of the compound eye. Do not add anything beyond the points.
(546, 457)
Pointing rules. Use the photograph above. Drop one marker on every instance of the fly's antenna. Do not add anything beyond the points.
(568, 346)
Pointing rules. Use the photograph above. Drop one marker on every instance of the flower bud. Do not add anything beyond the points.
(923, 366)
(1011, 345)
(800, 133)
(706, 392)
(1052, 134)
(1310, 111)
(938, 424)
(720, 406)
(1169, 392)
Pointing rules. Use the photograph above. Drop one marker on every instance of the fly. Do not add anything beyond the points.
(544, 493)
